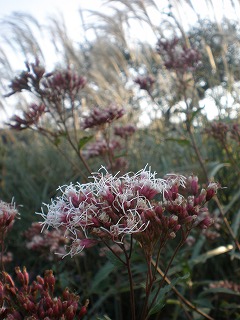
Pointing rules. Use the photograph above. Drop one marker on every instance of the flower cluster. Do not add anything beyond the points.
(6, 258)
(48, 242)
(101, 147)
(124, 131)
(58, 83)
(99, 116)
(37, 301)
(8, 213)
(30, 117)
(145, 83)
(218, 130)
(235, 132)
(141, 205)
(27, 79)
(177, 56)
(221, 131)
(226, 285)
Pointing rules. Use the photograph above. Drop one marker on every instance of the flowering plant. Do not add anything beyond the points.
(132, 208)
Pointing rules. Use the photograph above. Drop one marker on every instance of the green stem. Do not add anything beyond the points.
(132, 297)
(165, 274)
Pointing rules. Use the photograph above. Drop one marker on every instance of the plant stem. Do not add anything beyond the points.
(132, 297)
(194, 144)
(215, 198)
(151, 276)
(195, 147)
(165, 273)
(180, 296)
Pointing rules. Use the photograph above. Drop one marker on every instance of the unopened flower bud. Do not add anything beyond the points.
(211, 190)
(83, 310)
(49, 280)
(172, 235)
(193, 182)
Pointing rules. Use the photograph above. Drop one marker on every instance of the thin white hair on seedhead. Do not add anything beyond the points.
(173, 178)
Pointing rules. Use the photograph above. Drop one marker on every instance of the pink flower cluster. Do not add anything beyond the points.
(8, 213)
(27, 79)
(221, 131)
(230, 285)
(64, 81)
(101, 147)
(30, 117)
(177, 56)
(48, 242)
(145, 82)
(111, 207)
(125, 131)
(99, 116)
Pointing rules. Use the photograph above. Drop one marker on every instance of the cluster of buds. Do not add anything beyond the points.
(8, 213)
(30, 117)
(140, 205)
(59, 83)
(100, 117)
(226, 285)
(100, 148)
(125, 131)
(218, 130)
(120, 164)
(36, 301)
(6, 258)
(27, 79)
(221, 131)
(145, 83)
(235, 132)
(177, 56)
(48, 242)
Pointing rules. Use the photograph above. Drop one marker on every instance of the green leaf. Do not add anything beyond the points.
(195, 113)
(236, 222)
(102, 275)
(216, 168)
(83, 141)
(157, 307)
(210, 254)
(160, 301)
(219, 290)
(181, 142)
(113, 259)
(232, 201)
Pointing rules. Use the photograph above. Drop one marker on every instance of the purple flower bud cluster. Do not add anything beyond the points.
(145, 82)
(27, 79)
(125, 131)
(230, 285)
(221, 131)
(29, 118)
(177, 56)
(36, 300)
(100, 117)
(65, 81)
(100, 148)
(141, 205)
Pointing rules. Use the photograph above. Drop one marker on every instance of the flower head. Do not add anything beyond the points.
(8, 213)
(137, 204)
(29, 118)
(99, 116)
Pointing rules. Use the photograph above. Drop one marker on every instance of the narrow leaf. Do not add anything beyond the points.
(182, 142)
(102, 275)
(83, 141)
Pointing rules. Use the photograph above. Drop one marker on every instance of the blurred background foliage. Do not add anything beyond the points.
(174, 122)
